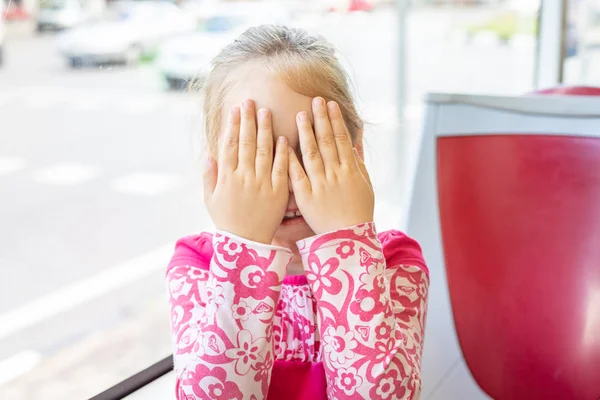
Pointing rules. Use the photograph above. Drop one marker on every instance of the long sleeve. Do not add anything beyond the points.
(221, 317)
(371, 318)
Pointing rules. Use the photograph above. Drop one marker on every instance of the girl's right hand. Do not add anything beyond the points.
(246, 194)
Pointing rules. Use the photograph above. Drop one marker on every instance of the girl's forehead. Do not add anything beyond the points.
(269, 92)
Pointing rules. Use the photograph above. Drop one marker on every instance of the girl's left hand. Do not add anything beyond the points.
(333, 190)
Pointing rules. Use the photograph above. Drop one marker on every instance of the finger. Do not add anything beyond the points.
(228, 151)
(298, 178)
(280, 165)
(324, 133)
(264, 144)
(247, 147)
(362, 167)
(209, 178)
(343, 141)
(308, 146)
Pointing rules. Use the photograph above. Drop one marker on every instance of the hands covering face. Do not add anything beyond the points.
(247, 192)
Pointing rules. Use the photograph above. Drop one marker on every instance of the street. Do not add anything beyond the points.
(100, 174)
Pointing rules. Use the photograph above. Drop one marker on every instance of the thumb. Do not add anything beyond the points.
(210, 177)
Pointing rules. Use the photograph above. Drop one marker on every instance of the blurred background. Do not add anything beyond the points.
(101, 143)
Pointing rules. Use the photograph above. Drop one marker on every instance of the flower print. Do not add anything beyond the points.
(339, 344)
(180, 314)
(212, 384)
(300, 295)
(264, 368)
(408, 341)
(403, 312)
(229, 249)
(213, 344)
(332, 390)
(384, 351)
(414, 383)
(361, 229)
(247, 351)
(241, 310)
(187, 339)
(304, 327)
(388, 311)
(196, 273)
(388, 387)
(423, 289)
(345, 249)
(365, 258)
(255, 280)
(367, 304)
(177, 286)
(203, 320)
(214, 297)
(383, 331)
(348, 380)
(319, 275)
(406, 288)
(380, 283)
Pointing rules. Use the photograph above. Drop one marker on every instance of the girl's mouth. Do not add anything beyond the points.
(291, 214)
(292, 217)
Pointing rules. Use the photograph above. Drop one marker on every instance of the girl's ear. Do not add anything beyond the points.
(358, 145)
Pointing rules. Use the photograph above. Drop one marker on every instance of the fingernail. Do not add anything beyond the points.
(263, 113)
(235, 111)
(281, 140)
(208, 162)
(317, 101)
(303, 116)
(332, 106)
(248, 103)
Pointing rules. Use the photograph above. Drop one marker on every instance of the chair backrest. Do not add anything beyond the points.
(518, 185)
(570, 91)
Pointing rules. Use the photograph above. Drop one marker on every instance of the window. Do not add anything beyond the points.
(99, 171)
(582, 55)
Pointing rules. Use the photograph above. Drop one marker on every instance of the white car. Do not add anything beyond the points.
(132, 29)
(185, 58)
(60, 14)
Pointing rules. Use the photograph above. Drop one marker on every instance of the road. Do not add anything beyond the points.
(99, 175)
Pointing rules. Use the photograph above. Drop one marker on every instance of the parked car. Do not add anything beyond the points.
(186, 57)
(57, 15)
(133, 29)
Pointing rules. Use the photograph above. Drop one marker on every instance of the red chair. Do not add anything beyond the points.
(570, 91)
(519, 207)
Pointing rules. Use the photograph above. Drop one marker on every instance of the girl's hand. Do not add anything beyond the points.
(333, 190)
(247, 193)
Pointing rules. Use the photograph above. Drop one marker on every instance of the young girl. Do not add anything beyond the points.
(295, 296)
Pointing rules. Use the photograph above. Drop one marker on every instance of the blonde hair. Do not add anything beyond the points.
(306, 63)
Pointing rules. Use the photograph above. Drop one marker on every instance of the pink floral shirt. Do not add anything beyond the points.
(352, 327)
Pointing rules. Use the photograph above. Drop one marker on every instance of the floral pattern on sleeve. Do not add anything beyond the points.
(371, 317)
(222, 319)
